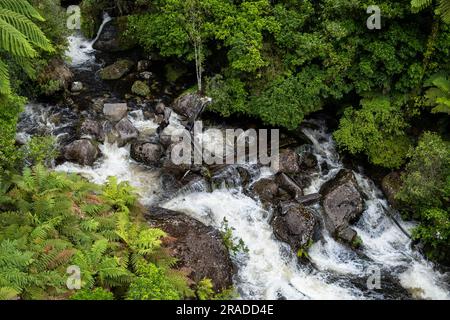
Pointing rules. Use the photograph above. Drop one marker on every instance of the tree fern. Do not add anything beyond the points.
(438, 95)
(443, 7)
(19, 36)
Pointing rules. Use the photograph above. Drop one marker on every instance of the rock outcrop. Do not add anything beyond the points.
(294, 224)
(342, 204)
(82, 151)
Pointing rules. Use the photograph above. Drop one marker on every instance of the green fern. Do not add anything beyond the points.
(443, 7)
(19, 36)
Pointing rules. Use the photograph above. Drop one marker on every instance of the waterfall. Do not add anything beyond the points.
(80, 51)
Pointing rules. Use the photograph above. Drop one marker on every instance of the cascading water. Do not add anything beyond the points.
(80, 51)
(270, 270)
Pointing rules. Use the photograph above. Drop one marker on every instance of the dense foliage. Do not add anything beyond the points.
(50, 221)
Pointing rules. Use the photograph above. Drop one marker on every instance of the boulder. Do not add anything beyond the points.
(342, 202)
(140, 88)
(391, 185)
(199, 248)
(82, 151)
(126, 132)
(308, 161)
(289, 185)
(146, 153)
(266, 189)
(289, 161)
(294, 224)
(115, 111)
(92, 129)
(117, 70)
(189, 105)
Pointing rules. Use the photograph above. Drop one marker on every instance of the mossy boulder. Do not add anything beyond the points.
(117, 70)
(140, 88)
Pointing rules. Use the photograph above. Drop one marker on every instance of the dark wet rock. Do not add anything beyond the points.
(308, 161)
(198, 247)
(146, 153)
(348, 235)
(117, 70)
(302, 179)
(391, 185)
(140, 88)
(126, 131)
(286, 183)
(266, 189)
(245, 176)
(342, 202)
(111, 38)
(294, 224)
(115, 111)
(83, 152)
(189, 105)
(92, 129)
(289, 161)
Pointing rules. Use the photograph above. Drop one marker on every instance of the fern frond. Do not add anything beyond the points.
(27, 28)
(7, 293)
(444, 10)
(5, 85)
(419, 5)
(14, 42)
(22, 7)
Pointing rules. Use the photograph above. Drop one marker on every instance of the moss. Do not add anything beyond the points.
(141, 89)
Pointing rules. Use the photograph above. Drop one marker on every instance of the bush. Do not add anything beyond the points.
(376, 130)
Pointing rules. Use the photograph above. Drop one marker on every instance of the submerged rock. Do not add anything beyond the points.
(117, 70)
(294, 224)
(115, 111)
(146, 152)
(82, 151)
(342, 204)
(199, 248)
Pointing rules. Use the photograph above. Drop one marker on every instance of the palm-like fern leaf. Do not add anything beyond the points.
(5, 85)
(22, 7)
(27, 28)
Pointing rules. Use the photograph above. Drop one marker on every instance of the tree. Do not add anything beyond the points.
(19, 38)
(377, 130)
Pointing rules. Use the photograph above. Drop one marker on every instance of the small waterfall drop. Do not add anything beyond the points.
(80, 52)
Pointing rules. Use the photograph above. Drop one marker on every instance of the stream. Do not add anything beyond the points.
(270, 270)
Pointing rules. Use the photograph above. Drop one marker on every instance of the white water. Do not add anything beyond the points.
(270, 269)
(80, 52)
